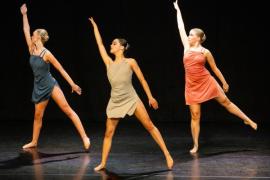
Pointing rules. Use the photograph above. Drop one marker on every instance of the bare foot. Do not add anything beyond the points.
(99, 167)
(194, 149)
(86, 143)
(169, 160)
(252, 124)
(30, 145)
(30, 150)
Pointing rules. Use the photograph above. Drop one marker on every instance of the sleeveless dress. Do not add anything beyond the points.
(43, 80)
(123, 96)
(200, 85)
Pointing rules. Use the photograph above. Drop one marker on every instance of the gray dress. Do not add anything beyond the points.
(123, 96)
(43, 80)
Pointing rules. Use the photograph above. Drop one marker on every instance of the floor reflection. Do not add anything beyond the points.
(195, 167)
(109, 175)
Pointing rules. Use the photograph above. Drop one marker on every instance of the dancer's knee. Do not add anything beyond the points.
(38, 116)
(67, 110)
(225, 102)
(195, 116)
(109, 132)
(150, 127)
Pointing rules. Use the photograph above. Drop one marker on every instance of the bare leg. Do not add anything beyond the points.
(144, 118)
(195, 111)
(61, 101)
(232, 108)
(39, 111)
(111, 125)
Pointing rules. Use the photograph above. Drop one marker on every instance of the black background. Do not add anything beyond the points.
(237, 36)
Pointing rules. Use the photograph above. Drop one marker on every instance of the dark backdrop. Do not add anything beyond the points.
(236, 35)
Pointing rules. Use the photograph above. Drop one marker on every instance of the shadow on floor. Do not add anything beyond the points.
(32, 156)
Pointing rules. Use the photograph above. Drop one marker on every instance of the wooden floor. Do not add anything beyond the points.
(228, 150)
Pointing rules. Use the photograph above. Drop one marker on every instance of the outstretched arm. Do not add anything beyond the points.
(50, 57)
(135, 67)
(106, 58)
(213, 66)
(181, 26)
(26, 27)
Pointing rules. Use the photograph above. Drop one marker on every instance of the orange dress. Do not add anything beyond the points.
(200, 86)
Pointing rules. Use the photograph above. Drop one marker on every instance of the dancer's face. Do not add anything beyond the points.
(35, 37)
(116, 46)
(193, 38)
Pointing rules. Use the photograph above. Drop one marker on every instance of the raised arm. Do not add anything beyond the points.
(26, 27)
(213, 66)
(181, 26)
(106, 58)
(50, 58)
(135, 67)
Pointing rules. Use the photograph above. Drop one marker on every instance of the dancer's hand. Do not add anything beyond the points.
(153, 103)
(91, 19)
(23, 9)
(175, 4)
(76, 88)
(226, 87)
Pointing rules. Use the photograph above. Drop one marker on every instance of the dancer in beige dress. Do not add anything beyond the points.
(124, 99)
(123, 96)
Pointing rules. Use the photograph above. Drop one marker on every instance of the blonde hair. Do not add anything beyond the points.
(43, 34)
(199, 32)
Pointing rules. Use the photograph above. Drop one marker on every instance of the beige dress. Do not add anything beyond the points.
(123, 96)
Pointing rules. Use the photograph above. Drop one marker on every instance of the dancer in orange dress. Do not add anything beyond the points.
(200, 85)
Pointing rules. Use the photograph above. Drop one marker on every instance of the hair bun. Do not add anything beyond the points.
(127, 46)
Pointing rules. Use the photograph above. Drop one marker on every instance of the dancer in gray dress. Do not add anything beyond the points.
(43, 80)
(124, 99)
(45, 86)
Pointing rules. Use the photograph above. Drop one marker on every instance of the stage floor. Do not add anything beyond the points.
(228, 150)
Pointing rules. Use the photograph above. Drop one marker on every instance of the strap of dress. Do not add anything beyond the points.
(43, 52)
(203, 50)
(32, 52)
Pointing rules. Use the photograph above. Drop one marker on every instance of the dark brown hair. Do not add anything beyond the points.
(124, 43)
